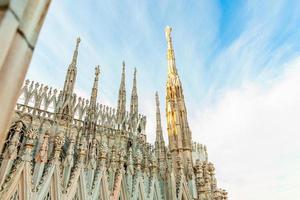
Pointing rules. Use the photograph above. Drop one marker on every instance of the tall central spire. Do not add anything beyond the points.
(180, 139)
(121, 110)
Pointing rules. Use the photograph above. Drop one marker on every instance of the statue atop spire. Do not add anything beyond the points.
(78, 41)
(170, 54)
(121, 109)
(168, 31)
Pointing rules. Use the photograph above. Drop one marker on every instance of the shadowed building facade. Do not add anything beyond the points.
(61, 146)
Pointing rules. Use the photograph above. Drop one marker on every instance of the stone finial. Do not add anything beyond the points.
(77, 42)
(75, 54)
(97, 70)
(91, 112)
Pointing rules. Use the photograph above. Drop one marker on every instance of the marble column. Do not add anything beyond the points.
(20, 24)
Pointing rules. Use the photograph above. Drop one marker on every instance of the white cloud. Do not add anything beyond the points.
(252, 134)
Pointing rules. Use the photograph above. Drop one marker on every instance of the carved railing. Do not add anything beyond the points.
(42, 100)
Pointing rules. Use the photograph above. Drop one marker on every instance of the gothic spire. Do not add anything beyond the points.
(159, 135)
(160, 149)
(93, 98)
(134, 97)
(72, 71)
(75, 54)
(180, 139)
(170, 54)
(67, 93)
(90, 118)
(122, 97)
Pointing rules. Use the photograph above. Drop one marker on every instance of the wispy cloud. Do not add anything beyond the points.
(255, 129)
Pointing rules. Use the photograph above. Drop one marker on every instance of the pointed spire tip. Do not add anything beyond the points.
(157, 98)
(97, 70)
(77, 42)
(78, 39)
(168, 31)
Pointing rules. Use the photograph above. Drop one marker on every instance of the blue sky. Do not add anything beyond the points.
(237, 60)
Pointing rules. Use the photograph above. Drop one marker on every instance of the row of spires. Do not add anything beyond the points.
(121, 107)
(69, 90)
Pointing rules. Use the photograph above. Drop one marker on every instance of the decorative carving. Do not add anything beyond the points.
(93, 147)
(59, 140)
(42, 155)
(138, 159)
(30, 136)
